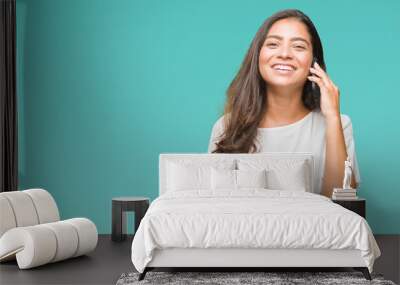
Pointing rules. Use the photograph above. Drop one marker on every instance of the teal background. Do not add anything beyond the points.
(105, 86)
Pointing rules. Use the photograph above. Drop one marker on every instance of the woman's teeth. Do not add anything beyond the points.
(283, 67)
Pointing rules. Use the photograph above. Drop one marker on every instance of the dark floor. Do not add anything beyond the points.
(111, 259)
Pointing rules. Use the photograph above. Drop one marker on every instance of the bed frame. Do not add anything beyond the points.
(240, 259)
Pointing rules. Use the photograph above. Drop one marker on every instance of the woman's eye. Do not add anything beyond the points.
(274, 44)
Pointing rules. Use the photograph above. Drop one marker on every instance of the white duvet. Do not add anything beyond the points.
(250, 218)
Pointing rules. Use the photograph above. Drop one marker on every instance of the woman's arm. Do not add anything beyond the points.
(336, 152)
(335, 156)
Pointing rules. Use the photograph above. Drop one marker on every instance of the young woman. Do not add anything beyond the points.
(272, 105)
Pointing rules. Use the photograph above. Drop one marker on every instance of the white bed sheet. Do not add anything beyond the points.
(250, 218)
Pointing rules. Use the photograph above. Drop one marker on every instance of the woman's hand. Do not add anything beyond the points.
(329, 92)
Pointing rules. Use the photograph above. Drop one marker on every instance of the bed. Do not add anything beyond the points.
(247, 210)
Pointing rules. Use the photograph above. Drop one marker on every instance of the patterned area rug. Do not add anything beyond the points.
(225, 278)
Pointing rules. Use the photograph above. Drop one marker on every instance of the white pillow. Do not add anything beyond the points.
(185, 177)
(282, 174)
(251, 178)
(236, 179)
(223, 179)
(293, 179)
(188, 175)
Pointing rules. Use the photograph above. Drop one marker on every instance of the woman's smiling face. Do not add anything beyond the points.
(286, 55)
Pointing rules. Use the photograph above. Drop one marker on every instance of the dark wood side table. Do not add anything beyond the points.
(357, 206)
(120, 206)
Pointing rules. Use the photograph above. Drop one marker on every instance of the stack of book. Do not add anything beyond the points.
(344, 194)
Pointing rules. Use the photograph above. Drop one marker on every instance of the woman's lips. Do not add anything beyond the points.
(283, 71)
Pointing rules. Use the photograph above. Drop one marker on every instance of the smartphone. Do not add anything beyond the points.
(314, 86)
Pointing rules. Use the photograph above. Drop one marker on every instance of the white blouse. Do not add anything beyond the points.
(305, 135)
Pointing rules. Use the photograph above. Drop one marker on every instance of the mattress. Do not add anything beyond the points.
(250, 219)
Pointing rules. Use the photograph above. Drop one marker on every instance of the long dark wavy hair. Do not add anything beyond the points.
(246, 96)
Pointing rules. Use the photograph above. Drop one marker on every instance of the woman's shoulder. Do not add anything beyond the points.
(217, 132)
(221, 122)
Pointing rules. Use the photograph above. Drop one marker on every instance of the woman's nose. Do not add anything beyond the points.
(285, 51)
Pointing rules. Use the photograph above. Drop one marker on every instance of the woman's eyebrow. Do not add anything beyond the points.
(292, 39)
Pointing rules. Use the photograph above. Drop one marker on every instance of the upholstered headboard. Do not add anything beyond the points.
(271, 159)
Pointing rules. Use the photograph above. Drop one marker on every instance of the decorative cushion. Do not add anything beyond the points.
(282, 174)
(251, 178)
(236, 179)
(288, 179)
(186, 175)
(183, 177)
(223, 179)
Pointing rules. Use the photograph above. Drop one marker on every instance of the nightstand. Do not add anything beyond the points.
(120, 206)
(357, 206)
